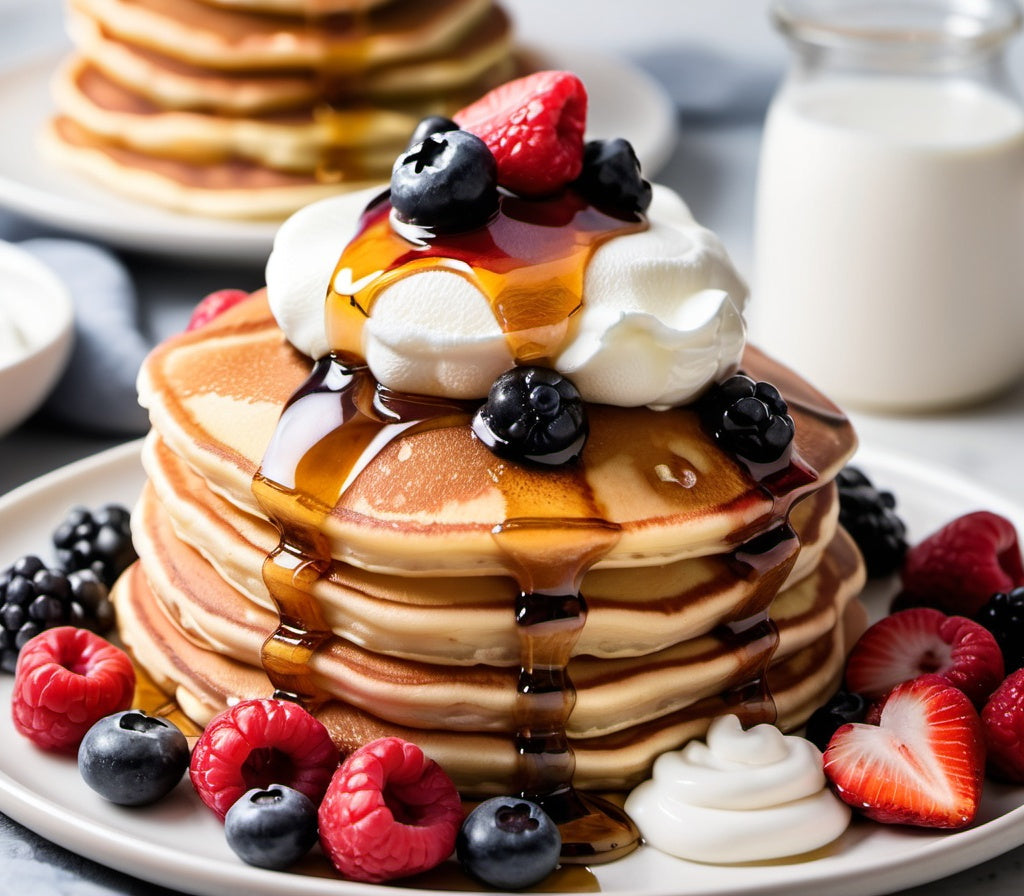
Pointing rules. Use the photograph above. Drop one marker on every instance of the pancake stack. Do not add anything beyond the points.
(253, 108)
(707, 589)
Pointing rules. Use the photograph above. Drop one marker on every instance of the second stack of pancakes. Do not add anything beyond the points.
(253, 108)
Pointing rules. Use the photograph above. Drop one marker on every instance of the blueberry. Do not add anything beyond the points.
(271, 828)
(132, 758)
(509, 843)
(533, 413)
(446, 184)
(611, 176)
(432, 124)
(749, 419)
(842, 707)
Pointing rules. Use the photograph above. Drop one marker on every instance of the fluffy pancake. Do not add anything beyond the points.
(419, 598)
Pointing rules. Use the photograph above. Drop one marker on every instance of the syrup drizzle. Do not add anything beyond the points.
(340, 419)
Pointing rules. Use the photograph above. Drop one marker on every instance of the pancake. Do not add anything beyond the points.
(244, 110)
(716, 593)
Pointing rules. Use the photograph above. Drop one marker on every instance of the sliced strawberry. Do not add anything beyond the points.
(922, 640)
(213, 305)
(534, 127)
(922, 765)
(958, 568)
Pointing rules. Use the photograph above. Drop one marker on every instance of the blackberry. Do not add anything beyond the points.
(535, 414)
(869, 516)
(99, 540)
(34, 598)
(1003, 615)
(749, 419)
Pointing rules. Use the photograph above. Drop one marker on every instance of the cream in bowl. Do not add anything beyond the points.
(36, 333)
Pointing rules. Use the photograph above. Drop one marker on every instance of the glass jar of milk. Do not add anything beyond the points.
(890, 211)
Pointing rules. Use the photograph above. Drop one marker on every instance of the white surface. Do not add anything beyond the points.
(37, 305)
(623, 102)
(179, 843)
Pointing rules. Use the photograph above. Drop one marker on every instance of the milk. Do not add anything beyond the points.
(890, 239)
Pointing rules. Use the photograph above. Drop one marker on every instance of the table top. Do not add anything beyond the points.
(713, 167)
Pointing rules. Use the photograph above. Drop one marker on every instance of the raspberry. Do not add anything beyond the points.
(67, 679)
(213, 305)
(1003, 722)
(958, 568)
(534, 127)
(389, 812)
(257, 743)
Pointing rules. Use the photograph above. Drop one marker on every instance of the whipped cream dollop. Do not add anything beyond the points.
(741, 796)
(661, 318)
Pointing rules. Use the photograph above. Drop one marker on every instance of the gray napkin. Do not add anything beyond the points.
(97, 390)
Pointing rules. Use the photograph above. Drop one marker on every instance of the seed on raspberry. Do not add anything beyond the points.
(257, 743)
(389, 812)
(66, 680)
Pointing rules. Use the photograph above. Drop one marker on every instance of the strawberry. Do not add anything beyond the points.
(213, 305)
(958, 568)
(1003, 722)
(922, 765)
(922, 640)
(534, 128)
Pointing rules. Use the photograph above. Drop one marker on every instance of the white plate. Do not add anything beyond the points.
(624, 102)
(179, 843)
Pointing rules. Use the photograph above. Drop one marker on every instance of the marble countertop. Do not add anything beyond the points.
(713, 167)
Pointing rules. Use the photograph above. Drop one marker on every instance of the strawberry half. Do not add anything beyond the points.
(922, 765)
(534, 128)
(920, 641)
(959, 567)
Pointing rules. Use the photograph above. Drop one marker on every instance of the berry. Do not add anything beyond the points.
(508, 843)
(257, 743)
(389, 812)
(432, 124)
(842, 707)
(34, 598)
(611, 176)
(132, 758)
(869, 516)
(100, 541)
(923, 764)
(213, 305)
(533, 413)
(67, 679)
(446, 184)
(534, 126)
(749, 419)
(958, 568)
(1003, 723)
(272, 827)
(1003, 615)
(920, 641)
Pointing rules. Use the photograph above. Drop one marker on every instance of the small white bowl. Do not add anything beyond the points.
(39, 304)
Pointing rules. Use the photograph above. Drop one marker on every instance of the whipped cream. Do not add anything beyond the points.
(661, 317)
(741, 796)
